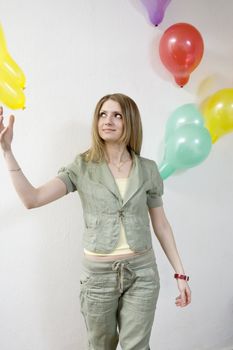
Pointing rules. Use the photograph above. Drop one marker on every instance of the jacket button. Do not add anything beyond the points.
(121, 213)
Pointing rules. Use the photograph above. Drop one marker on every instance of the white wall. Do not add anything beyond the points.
(72, 53)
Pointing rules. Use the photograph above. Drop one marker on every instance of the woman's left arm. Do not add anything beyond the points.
(163, 232)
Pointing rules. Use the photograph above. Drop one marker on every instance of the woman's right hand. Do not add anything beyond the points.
(6, 132)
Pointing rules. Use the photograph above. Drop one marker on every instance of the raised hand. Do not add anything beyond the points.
(6, 132)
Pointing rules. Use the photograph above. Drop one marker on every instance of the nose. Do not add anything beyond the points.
(108, 119)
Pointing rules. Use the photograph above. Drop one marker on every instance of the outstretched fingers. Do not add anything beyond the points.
(11, 121)
(1, 119)
(2, 127)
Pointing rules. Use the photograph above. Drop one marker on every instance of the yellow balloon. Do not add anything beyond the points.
(8, 64)
(11, 67)
(218, 113)
(3, 48)
(11, 93)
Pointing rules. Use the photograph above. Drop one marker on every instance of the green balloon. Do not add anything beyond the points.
(184, 115)
(187, 147)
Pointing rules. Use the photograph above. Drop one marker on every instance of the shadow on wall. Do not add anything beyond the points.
(208, 175)
(61, 256)
(55, 242)
(69, 140)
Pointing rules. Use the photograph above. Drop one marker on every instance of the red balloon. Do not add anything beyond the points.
(181, 49)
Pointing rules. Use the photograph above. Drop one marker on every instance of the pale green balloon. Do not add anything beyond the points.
(184, 115)
(187, 147)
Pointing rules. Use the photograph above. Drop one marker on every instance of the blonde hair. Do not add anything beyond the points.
(132, 128)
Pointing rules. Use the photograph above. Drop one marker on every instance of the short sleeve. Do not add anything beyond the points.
(154, 195)
(69, 174)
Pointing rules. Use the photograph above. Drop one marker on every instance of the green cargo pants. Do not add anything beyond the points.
(118, 300)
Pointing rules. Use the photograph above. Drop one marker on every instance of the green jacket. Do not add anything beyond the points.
(103, 207)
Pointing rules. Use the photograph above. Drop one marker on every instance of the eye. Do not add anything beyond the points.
(102, 114)
(118, 116)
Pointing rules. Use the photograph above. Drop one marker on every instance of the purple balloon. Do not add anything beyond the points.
(156, 9)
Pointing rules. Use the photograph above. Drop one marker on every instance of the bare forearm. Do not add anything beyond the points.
(167, 241)
(164, 233)
(23, 187)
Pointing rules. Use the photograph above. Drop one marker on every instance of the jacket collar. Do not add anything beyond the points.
(101, 173)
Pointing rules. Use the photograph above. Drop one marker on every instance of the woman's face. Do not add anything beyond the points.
(110, 124)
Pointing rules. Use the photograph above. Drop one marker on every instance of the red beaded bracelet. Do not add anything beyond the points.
(181, 277)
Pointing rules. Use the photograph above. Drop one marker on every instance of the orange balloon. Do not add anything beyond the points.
(181, 49)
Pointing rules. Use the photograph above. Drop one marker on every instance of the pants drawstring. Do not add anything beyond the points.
(119, 267)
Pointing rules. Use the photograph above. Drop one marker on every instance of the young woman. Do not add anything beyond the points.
(119, 285)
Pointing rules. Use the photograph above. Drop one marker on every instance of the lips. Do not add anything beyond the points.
(108, 130)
